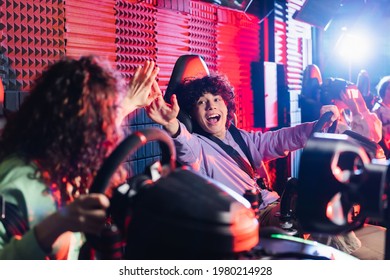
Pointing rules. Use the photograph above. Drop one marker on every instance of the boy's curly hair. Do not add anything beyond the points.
(67, 124)
(191, 89)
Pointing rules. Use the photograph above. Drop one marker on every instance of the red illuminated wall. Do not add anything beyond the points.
(37, 33)
(238, 46)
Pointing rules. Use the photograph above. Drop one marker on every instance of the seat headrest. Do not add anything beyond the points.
(186, 66)
(311, 80)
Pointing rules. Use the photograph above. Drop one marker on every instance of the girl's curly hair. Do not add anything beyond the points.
(67, 124)
(191, 89)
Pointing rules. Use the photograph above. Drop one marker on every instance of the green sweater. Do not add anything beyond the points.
(18, 186)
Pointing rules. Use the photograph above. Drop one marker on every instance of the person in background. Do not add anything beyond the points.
(382, 110)
(52, 148)
(355, 116)
(354, 113)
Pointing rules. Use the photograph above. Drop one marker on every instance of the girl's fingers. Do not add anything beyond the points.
(156, 91)
(148, 68)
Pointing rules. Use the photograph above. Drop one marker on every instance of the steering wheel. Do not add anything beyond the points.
(323, 122)
(127, 147)
(373, 149)
(329, 180)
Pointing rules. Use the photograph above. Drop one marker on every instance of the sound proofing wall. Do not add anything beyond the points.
(32, 36)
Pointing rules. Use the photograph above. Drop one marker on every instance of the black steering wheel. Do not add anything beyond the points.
(373, 149)
(322, 124)
(127, 147)
(331, 172)
(289, 196)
